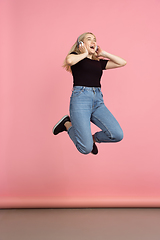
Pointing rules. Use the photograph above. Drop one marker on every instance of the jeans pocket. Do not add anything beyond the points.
(77, 91)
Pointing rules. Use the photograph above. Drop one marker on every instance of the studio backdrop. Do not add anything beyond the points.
(38, 169)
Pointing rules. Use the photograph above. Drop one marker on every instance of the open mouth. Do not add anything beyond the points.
(92, 47)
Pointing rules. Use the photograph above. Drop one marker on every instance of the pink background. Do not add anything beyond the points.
(38, 169)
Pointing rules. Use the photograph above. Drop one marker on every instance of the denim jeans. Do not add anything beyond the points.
(86, 106)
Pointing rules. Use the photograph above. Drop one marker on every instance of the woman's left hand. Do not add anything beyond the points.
(99, 52)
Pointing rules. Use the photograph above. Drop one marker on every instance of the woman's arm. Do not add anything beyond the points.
(114, 61)
(72, 59)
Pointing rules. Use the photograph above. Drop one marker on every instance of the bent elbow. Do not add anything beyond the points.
(124, 63)
(69, 61)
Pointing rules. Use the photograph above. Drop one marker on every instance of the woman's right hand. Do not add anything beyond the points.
(72, 59)
(83, 49)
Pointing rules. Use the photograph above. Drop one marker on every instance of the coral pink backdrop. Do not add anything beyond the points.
(38, 169)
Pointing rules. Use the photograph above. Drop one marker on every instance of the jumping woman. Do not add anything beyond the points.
(86, 61)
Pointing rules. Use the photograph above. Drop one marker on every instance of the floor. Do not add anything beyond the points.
(80, 224)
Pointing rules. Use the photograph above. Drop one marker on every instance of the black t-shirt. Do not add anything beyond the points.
(88, 72)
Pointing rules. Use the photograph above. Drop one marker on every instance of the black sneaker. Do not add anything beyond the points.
(59, 127)
(95, 149)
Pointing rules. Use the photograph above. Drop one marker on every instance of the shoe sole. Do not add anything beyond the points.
(96, 148)
(94, 153)
(59, 122)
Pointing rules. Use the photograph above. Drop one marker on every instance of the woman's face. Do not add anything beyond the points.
(90, 43)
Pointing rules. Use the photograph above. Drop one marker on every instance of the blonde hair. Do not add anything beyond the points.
(75, 48)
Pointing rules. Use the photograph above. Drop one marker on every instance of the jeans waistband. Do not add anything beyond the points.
(87, 88)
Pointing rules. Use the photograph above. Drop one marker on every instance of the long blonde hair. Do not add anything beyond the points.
(75, 48)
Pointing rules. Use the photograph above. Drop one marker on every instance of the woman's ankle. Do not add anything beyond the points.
(67, 125)
(93, 139)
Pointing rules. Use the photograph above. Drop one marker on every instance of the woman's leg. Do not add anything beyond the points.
(80, 114)
(80, 133)
(111, 130)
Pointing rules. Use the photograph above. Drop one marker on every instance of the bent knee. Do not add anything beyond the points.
(85, 149)
(119, 136)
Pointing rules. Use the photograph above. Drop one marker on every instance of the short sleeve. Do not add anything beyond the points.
(74, 53)
(103, 63)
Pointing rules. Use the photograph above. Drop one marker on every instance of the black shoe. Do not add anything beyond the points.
(59, 127)
(95, 149)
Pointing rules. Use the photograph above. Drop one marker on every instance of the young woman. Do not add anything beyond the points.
(86, 63)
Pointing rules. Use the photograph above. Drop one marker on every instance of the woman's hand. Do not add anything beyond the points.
(99, 52)
(72, 59)
(83, 49)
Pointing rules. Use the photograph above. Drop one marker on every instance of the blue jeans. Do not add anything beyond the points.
(87, 105)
